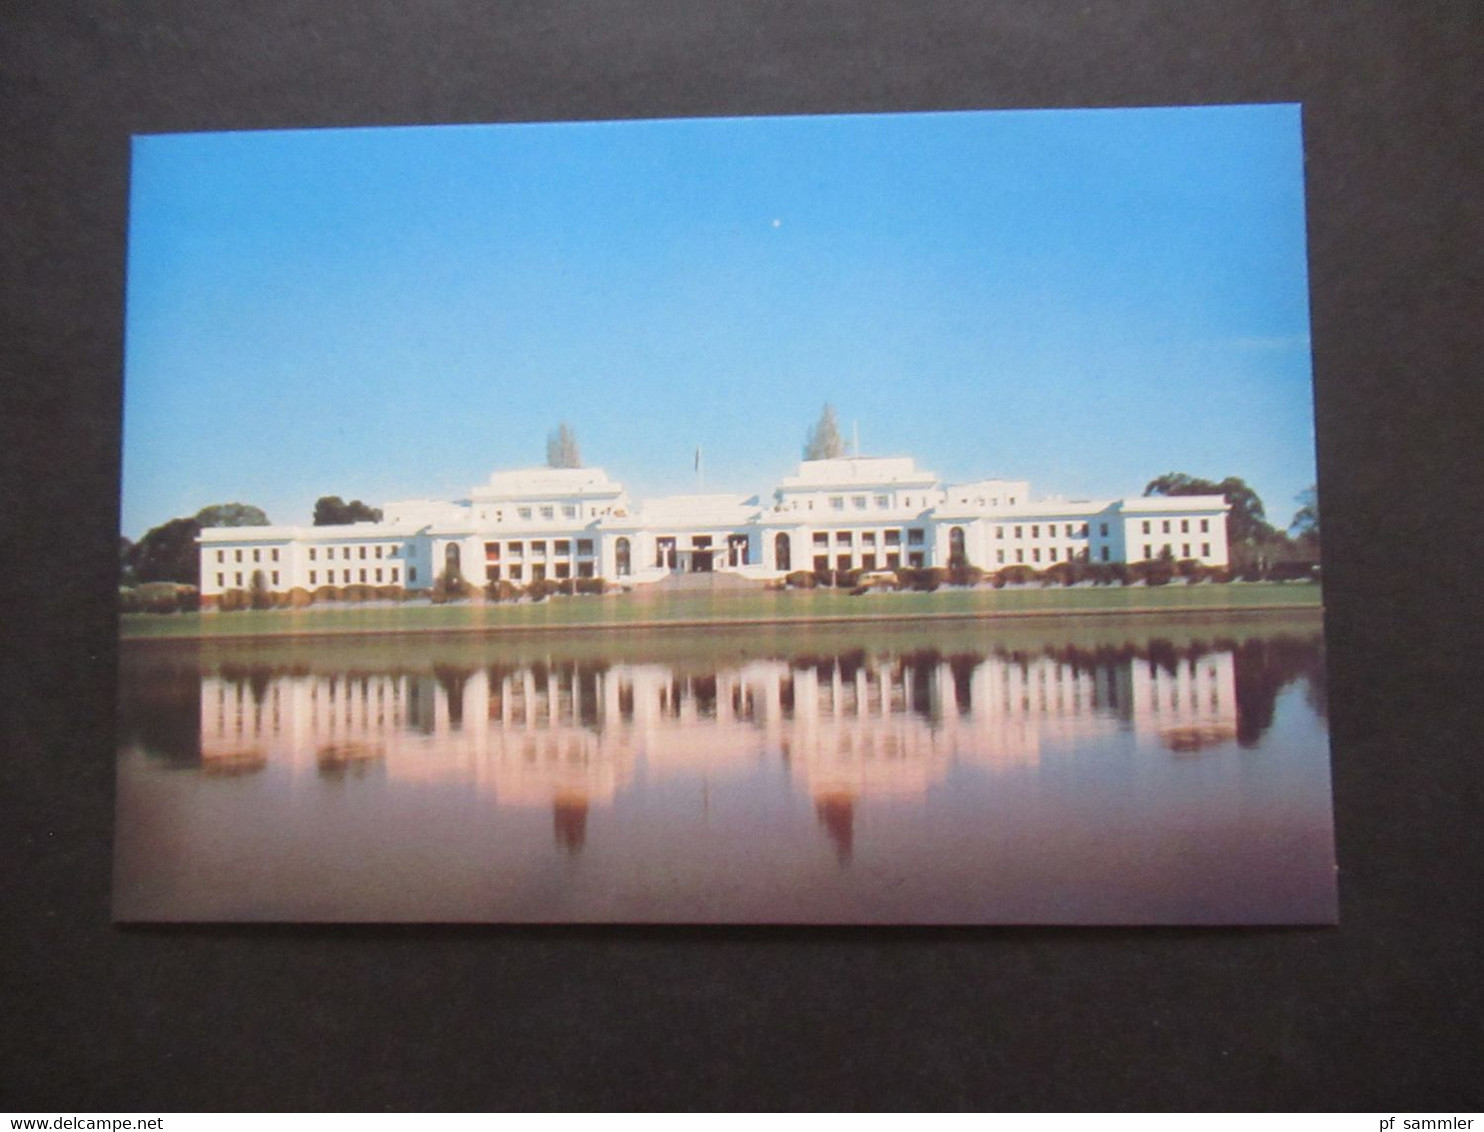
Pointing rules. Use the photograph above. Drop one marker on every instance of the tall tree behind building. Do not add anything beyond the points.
(824, 441)
(561, 448)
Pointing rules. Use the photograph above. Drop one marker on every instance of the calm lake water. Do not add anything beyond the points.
(1127, 772)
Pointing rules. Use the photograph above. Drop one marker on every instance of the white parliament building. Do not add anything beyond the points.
(849, 513)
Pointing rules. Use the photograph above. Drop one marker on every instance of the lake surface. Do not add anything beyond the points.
(1136, 772)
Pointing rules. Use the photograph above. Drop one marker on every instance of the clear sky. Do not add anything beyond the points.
(1083, 299)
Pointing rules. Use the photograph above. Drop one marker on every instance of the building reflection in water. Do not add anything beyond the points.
(848, 728)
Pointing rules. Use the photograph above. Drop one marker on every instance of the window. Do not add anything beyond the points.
(1165, 528)
(274, 553)
(1185, 526)
(585, 547)
(396, 571)
(362, 555)
(1105, 554)
(221, 580)
(999, 532)
(238, 555)
(893, 538)
(860, 502)
(412, 573)
(1103, 530)
(883, 502)
(999, 557)
(868, 562)
(893, 561)
(584, 569)
(238, 577)
(345, 552)
(311, 554)
(378, 573)
(515, 573)
(1205, 550)
(1052, 554)
(548, 512)
(517, 549)
(1185, 550)
(569, 511)
(1148, 551)
(221, 556)
(393, 552)
(563, 546)
(821, 538)
(312, 577)
(821, 562)
(1145, 525)
(1036, 554)
(257, 555)
(523, 512)
(538, 547)
(1020, 556)
(1205, 526)
(837, 503)
(379, 549)
(915, 559)
(492, 552)
(563, 570)
(1086, 528)
(914, 536)
(842, 562)
(868, 538)
(782, 552)
(347, 577)
(275, 577)
(843, 538)
(1035, 531)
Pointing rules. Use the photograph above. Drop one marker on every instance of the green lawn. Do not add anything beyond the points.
(744, 606)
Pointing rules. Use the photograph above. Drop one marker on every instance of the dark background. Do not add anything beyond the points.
(1383, 1012)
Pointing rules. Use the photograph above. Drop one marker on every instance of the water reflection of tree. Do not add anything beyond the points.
(836, 812)
(569, 822)
(1263, 667)
(160, 712)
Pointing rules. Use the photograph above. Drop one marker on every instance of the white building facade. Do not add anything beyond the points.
(852, 513)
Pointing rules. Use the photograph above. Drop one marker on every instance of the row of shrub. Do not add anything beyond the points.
(159, 597)
(1159, 572)
(542, 588)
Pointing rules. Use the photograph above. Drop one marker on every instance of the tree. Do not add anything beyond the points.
(1246, 522)
(1305, 525)
(332, 511)
(231, 515)
(824, 441)
(167, 553)
(561, 448)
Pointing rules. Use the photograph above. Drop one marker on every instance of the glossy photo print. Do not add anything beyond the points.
(884, 519)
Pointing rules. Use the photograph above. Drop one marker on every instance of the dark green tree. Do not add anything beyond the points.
(1305, 525)
(561, 448)
(167, 553)
(824, 441)
(231, 515)
(332, 511)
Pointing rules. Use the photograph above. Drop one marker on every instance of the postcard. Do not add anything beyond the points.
(869, 519)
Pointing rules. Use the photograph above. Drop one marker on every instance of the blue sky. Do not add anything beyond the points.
(1084, 299)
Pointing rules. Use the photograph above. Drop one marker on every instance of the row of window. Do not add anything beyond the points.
(561, 548)
(889, 561)
(257, 555)
(515, 572)
(391, 550)
(1073, 530)
(916, 536)
(1053, 554)
(362, 575)
(1184, 527)
(1168, 549)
